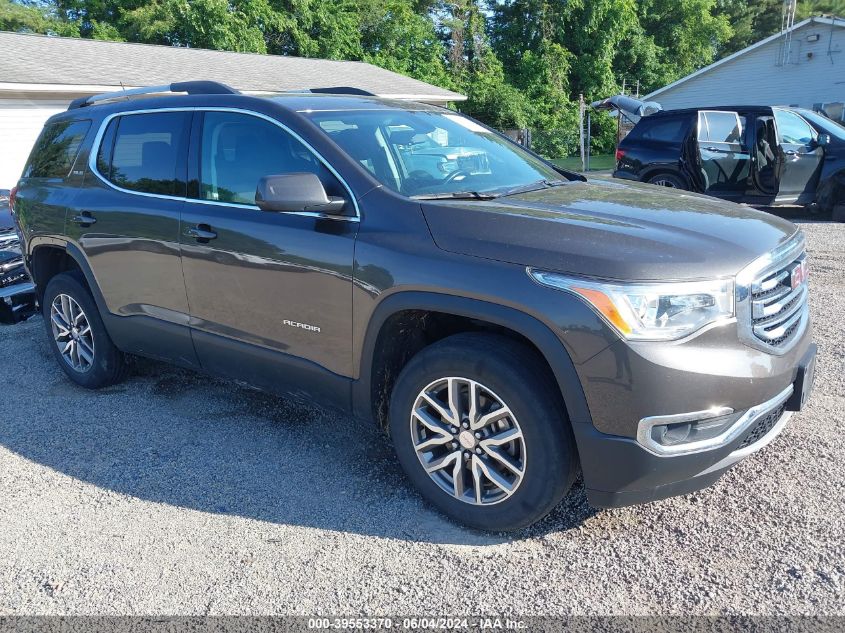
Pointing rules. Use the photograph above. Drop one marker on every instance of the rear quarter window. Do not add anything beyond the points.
(671, 130)
(56, 149)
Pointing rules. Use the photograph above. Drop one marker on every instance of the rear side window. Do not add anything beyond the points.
(720, 127)
(146, 152)
(668, 130)
(56, 149)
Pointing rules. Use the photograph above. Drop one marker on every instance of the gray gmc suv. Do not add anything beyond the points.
(508, 323)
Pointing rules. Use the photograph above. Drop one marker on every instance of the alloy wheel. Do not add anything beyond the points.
(468, 441)
(662, 182)
(72, 333)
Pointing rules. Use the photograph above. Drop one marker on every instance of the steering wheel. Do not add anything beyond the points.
(455, 174)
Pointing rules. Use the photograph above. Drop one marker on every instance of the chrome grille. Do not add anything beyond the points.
(772, 302)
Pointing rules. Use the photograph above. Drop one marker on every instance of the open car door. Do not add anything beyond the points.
(723, 156)
(799, 158)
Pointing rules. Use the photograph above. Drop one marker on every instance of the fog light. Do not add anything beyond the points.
(674, 434)
(693, 431)
(671, 434)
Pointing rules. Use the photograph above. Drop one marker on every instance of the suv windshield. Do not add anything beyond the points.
(826, 125)
(433, 154)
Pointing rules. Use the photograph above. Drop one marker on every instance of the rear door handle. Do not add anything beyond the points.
(84, 219)
(201, 233)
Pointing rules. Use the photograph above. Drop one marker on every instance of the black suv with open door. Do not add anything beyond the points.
(754, 154)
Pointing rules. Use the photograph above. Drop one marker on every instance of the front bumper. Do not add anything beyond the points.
(619, 470)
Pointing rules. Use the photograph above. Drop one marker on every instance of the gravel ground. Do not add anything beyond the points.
(174, 493)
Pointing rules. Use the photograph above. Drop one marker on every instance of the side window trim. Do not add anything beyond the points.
(92, 161)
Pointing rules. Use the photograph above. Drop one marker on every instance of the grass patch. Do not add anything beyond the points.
(600, 162)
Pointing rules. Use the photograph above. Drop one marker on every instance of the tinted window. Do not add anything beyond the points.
(720, 127)
(56, 149)
(824, 124)
(792, 128)
(147, 153)
(238, 150)
(668, 130)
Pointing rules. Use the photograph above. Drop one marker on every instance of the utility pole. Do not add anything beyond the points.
(581, 130)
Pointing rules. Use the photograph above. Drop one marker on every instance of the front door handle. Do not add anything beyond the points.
(201, 233)
(84, 219)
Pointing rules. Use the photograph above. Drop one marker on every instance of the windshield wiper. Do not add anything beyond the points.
(532, 186)
(456, 195)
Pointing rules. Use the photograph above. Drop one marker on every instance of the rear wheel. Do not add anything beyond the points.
(479, 428)
(79, 339)
(667, 180)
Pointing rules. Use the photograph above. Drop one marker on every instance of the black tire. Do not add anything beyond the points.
(515, 374)
(666, 179)
(108, 365)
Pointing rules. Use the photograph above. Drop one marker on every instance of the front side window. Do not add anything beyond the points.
(237, 150)
(146, 152)
(56, 149)
(824, 124)
(423, 153)
(792, 129)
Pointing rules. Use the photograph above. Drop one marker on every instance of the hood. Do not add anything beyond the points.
(610, 229)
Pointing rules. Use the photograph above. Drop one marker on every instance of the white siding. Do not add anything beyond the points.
(21, 121)
(755, 78)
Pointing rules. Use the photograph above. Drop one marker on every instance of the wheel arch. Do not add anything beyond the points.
(48, 258)
(652, 171)
(373, 387)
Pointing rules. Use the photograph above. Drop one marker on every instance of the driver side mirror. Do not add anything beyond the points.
(823, 140)
(301, 191)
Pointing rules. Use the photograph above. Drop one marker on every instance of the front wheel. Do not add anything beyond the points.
(78, 337)
(479, 427)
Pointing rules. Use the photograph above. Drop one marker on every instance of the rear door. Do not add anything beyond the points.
(723, 154)
(127, 224)
(799, 157)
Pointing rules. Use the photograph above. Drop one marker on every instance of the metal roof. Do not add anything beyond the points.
(39, 60)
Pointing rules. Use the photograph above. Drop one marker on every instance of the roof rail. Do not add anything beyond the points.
(188, 87)
(344, 90)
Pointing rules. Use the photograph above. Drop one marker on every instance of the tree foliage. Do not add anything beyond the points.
(522, 63)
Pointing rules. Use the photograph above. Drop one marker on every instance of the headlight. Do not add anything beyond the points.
(651, 311)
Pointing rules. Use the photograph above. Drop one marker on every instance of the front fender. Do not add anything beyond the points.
(540, 334)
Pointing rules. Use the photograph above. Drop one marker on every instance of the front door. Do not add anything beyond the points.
(723, 153)
(270, 293)
(800, 158)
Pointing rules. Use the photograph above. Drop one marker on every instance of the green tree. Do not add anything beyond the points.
(33, 17)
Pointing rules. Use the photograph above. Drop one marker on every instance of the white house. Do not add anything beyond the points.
(40, 76)
(804, 66)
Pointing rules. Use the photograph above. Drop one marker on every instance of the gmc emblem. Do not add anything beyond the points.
(799, 274)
